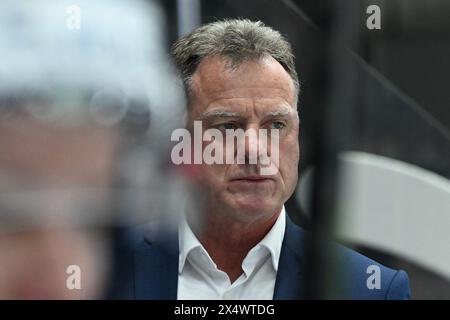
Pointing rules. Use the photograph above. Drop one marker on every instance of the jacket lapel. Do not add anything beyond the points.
(291, 267)
(156, 266)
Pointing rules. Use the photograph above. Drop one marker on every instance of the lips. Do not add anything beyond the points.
(252, 179)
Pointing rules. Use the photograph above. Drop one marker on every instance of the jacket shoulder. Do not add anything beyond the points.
(359, 276)
(369, 279)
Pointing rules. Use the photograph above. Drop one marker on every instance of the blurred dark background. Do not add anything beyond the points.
(398, 79)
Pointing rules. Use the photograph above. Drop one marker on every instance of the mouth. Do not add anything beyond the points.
(252, 179)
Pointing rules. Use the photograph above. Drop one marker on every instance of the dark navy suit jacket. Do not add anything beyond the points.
(147, 268)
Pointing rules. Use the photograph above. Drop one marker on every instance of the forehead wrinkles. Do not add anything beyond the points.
(250, 92)
(221, 87)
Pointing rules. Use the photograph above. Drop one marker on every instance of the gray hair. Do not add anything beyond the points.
(238, 40)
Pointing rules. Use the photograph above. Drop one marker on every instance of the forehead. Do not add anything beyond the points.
(262, 82)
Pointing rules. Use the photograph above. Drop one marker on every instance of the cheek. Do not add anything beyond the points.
(289, 158)
(211, 176)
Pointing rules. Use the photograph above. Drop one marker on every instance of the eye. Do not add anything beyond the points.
(227, 126)
(277, 125)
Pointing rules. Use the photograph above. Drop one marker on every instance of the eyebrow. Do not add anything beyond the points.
(218, 113)
(284, 111)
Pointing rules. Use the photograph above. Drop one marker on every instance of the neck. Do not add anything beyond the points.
(228, 241)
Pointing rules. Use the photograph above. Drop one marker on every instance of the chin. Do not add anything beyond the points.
(253, 206)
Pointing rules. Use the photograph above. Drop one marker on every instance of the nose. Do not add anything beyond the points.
(255, 145)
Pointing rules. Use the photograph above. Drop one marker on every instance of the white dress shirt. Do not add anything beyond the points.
(199, 277)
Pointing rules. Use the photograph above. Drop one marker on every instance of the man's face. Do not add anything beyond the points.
(258, 94)
(42, 237)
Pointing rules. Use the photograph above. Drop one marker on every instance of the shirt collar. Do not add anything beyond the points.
(272, 241)
(187, 242)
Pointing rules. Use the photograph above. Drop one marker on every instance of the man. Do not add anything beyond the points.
(239, 243)
(74, 129)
